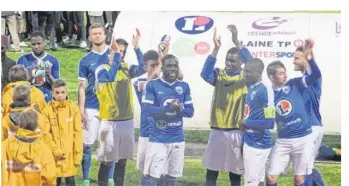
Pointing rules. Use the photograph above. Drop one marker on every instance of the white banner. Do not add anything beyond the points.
(269, 36)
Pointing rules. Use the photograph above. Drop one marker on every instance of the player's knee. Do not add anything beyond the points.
(299, 179)
(271, 179)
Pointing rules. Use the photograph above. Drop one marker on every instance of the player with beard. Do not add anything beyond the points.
(166, 101)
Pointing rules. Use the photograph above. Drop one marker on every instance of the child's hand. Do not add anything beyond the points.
(76, 166)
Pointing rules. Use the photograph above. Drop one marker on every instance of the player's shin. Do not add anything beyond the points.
(119, 172)
(235, 179)
(86, 162)
(299, 180)
(211, 177)
(170, 181)
(103, 173)
(271, 180)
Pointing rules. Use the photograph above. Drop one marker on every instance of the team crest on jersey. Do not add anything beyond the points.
(284, 107)
(246, 111)
(179, 90)
(253, 94)
(161, 124)
(286, 89)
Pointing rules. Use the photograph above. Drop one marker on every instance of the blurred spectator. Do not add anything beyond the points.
(6, 62)
(96, 17)
(55, 25)
(77, 17)
(9, 18)
(21, 27)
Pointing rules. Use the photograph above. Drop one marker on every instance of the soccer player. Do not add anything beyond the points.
(66, 131)
(114, 92)
(43, 67)
(21, 102)
(166, 101)
(223, 151)
(311, 98)
(18, 75)
(27, 160)
(293, 126)
(259, 117)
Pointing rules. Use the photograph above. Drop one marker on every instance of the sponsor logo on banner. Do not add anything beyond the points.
(202, 48)
(270, 54)
(194, 24)
(269, 27)
(267, 43)
(282, 49)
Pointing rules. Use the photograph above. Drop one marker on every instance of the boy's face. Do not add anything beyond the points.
(60, 93)
(150, 66)
(280, 77)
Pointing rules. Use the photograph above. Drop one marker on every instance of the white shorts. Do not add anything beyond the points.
(254, 162)
(164, 158)
(300, 150)
(91, 126)
(317, 135)
(115, 140)
(142, 149)
(223, 151)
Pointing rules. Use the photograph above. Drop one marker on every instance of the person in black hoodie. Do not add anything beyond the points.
(6, 62)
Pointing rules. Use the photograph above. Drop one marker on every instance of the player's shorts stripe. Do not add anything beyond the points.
(148, 101)
(188, 102)
(269, 112)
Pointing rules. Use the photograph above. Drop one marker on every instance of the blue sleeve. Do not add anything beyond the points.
(188, 110)
(267, 99)
(55, 69)
(138, 92)
(103, 75)
(148, 107)
(208, 73)
(137, 70)
(82, 71)
(245, 55)
(307, 80)
(20, 60)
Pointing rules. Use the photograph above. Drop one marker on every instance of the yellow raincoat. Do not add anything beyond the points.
(66, 131)
(10, 122)
(36, 96)
(27, 161)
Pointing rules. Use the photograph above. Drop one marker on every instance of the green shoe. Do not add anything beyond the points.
(85, 183)
(110, 182)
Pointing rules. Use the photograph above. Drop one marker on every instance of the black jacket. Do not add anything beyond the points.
(6, 63)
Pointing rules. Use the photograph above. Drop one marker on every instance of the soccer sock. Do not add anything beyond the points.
(308, 180)
(274, 184)
(211, 177)
(111, 170)
(148, 182)
(119, 172)
(302, 184)
(143, 178)
(103, 173)
(317, 179)
(170, 181)
(235, 179)
(161, 181)
(86, 162)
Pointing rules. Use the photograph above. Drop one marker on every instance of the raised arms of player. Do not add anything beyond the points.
(137, 70)
(244, 53)
(268, 112)
(104, 75)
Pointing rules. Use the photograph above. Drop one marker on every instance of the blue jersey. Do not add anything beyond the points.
(166, 126)
(311, 98)
(259, 114)
(291, 117)
(87, 68)
(144, 126)
(40, 80)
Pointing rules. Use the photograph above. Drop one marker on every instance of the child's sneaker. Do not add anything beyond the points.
(110, 182)
(85, 183)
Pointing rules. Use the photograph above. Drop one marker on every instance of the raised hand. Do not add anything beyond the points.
(135, 39)
(308, 49)
(217, 42)
(234, 31)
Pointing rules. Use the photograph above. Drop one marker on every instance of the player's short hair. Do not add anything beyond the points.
(271, 68)
(21, 93)
(28, 120)
(257, 64)
(151, 55)
(121, 41)
(59, 83)
(233, 50)
(38, 34)
(300, 49)
(168, 56)
(18, 73)
(95, 25)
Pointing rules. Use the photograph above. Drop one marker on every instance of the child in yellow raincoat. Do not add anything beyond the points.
(18, 75)
(21, 102)
(66, 130)
(27, 160)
